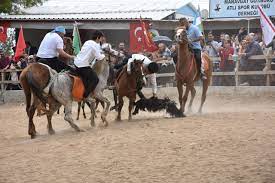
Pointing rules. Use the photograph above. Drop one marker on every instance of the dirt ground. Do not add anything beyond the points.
(233, 141)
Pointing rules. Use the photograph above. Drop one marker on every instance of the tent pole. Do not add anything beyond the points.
(248, 26)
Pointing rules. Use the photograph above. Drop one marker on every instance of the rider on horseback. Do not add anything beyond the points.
(194, 36)
(149, 68)
(90, 50)
(51, 48)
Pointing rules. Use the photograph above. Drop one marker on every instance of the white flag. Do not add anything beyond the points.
(268, 27)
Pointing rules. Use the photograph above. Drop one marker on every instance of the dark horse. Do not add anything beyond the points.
(187, 72)
(126, 85)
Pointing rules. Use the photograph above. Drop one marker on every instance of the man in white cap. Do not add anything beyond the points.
(51, 48)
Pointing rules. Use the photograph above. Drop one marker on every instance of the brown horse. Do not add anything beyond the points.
(187, 72)
(126, 85)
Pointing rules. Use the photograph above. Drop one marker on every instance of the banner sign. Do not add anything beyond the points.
(240, 8)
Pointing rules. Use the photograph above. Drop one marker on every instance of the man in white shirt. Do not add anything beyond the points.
(51, 48)
(90, 50)
(149, 68)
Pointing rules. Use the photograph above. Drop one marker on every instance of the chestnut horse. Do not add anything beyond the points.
(187, 72)
(126, 85)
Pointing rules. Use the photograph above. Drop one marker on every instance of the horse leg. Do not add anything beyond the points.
(32, 131)
(93, 113)
(120, 105)
(68, 116)
(78, 110)
(104, 114)
(83, 109)
(180, 91)
(193, 94)
(184, 99)
(203, 96)
(53, 106)
(131, 104)
(115, 100)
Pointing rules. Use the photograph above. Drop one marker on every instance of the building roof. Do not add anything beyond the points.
(104, 9)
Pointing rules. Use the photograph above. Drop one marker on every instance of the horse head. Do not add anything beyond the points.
(181, 36)
(137, 67)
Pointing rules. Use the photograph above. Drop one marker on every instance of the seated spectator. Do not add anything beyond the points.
(252, 48)
(163, 53)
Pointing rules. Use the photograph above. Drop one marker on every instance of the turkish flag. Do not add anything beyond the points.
(20, 46)
(3, 31)
(140, 40)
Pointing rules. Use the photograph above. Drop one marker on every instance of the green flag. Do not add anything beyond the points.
(76, 40)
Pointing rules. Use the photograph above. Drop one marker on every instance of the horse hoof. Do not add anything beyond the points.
(51, 132)
(81, 130)
(105, 124)
(118, 119)
(77, 118)
(33, 136)
(92, 124)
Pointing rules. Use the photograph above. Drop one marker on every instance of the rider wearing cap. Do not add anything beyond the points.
(51, 47)
(90, 51)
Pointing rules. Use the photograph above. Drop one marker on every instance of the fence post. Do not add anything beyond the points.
(268, 59)
(2, 86)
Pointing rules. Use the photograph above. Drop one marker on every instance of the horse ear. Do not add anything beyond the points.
(142, 60)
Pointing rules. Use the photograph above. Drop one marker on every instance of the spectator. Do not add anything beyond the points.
(122, 49)
(212, 46)
(174, 53)
(23, 61)
(30, 50)
(271, 44)
(253, 48)
(163, 53)
(242, 47)
(242, 33)
(221, 39)
(226, 64)
(4, 61)
(31, 59)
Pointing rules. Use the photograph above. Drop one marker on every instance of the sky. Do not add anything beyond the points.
(204, 4)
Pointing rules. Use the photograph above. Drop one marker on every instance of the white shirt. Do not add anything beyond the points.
(146, 61)
(49, 45)
(89, 51)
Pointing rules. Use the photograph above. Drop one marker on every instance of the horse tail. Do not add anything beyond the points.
(26, 88)
(35, 88)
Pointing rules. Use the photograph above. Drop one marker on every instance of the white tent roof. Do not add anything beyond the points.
(104, 9)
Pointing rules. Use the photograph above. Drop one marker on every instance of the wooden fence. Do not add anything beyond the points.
(267, 71)
(237, 73)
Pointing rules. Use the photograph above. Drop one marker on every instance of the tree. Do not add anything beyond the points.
(13, 6)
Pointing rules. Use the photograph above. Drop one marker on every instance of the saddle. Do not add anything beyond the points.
(78, 88)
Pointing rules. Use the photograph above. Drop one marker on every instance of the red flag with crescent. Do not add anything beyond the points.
(3, 31)
(140, 40)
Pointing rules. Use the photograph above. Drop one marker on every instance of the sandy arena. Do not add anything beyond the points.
(232, 142)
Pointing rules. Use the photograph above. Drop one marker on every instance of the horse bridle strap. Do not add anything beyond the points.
(179, 75)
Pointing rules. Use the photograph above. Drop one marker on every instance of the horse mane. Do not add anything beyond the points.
(68, 45)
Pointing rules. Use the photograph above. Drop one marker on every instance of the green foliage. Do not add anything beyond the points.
(13, 6)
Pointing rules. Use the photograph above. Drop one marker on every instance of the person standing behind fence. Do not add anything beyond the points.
(226, 64)
(252, 48)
